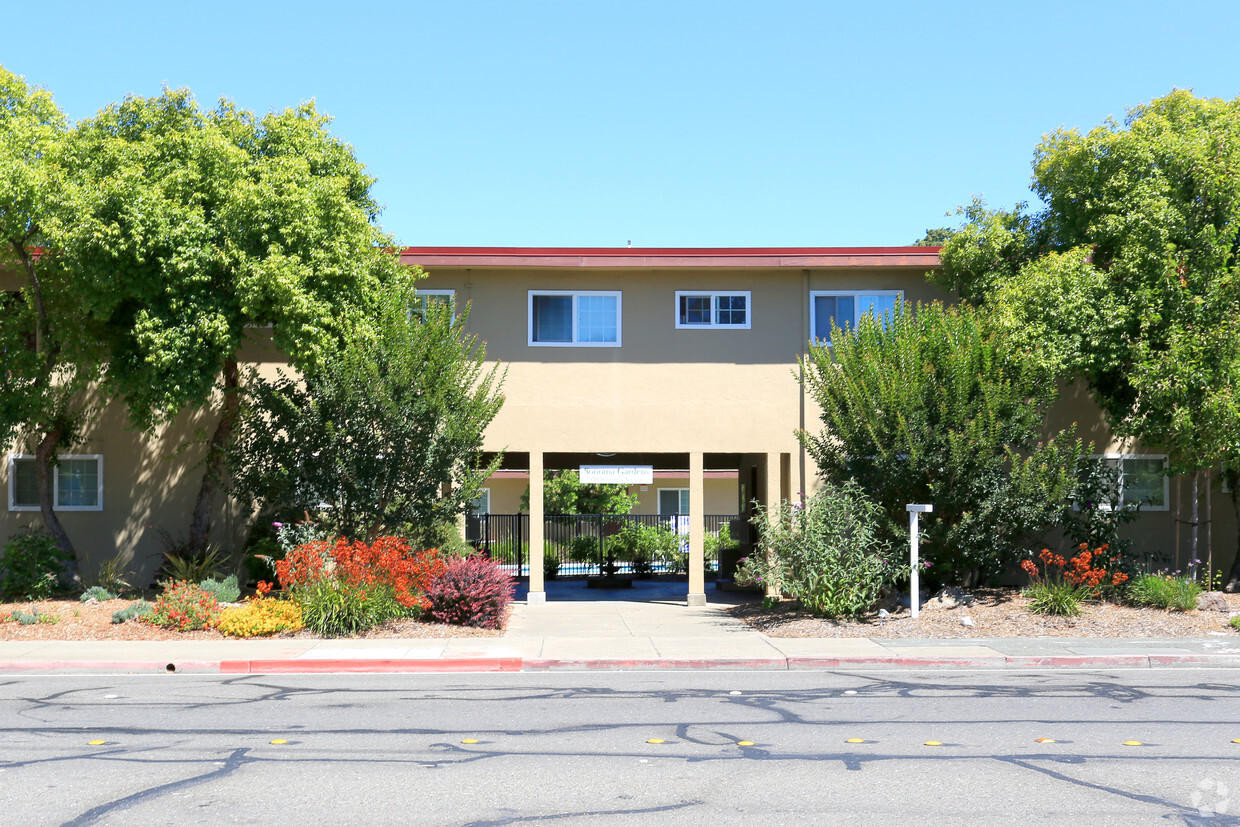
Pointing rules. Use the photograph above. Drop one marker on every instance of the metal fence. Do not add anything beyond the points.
(591, 544)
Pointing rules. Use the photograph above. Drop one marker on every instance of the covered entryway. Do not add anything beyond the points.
(680, 537)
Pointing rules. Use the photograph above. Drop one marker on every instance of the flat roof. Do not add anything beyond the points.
(655, 257)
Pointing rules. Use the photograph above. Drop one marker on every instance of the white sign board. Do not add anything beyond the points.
(617, 474)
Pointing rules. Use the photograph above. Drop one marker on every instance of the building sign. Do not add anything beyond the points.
(617, 474)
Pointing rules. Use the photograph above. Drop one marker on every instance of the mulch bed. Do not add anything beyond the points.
(996, 613)
(76, 620)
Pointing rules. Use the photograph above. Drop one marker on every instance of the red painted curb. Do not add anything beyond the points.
(1113, 661)
(812, 662)
(325, 665)
(584, 664)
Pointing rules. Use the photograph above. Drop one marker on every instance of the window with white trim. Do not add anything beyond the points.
(707, 310)
(481, 503)
(77, 483)
(423, 298)
(574, 318)
(845, 307)
(1141, 479)
(673, 501)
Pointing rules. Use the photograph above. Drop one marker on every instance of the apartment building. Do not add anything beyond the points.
(672, 369)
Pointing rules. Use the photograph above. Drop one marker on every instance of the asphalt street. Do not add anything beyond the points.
(836, 747)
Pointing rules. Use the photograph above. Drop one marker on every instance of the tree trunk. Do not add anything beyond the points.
(213, 465)
(44, 456)
(1233, 577)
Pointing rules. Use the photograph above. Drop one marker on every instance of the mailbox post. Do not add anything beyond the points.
(914, 580)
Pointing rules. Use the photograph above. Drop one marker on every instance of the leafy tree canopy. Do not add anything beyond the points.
(376, 430)
(565, 493)
(934, 408)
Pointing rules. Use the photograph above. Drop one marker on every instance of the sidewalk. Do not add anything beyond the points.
(642, 629)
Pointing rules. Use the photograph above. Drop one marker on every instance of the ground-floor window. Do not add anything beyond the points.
(1142, 479)
(673, 501)
(77, 483)
(482, 503)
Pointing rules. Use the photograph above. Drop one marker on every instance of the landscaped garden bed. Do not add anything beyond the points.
(997, 613)
(85, 621)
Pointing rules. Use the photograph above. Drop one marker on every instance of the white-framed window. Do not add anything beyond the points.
(574, 318)
(705, 309)
(423, 298)
(482, 503)
(1141, 479)
(673, 501)
(844, 307)
(77, 483)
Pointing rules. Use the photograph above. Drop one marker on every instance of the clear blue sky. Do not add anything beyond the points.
(590, 123)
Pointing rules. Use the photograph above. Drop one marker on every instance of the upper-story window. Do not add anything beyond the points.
(712, 310)
(77, 483)
(574, 318)
(844, 307)
(423, 298)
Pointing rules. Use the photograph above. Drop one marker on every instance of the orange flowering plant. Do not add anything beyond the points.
(345, 587)
(1095, 571)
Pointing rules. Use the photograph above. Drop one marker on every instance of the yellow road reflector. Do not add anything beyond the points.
(744, 743)
(96, 743)
(279, 741)
(855, 741)
(1235, 740)
(654, 740)
(1044, 740)
(469, 740)
(934, 743)
(1132, 743)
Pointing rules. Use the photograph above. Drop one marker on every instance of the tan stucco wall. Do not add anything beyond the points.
(664, 390)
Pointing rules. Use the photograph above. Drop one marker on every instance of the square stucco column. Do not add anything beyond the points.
(771, 499)
(697, 532)
(537, 592)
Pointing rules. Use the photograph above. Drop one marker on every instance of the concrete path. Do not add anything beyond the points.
(609, 631)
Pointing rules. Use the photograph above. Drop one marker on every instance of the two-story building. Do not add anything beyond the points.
(680, 360)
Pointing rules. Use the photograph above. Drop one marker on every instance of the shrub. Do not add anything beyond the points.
(184, 607)
(182, 562)
(1050, 598)
(582, 550)
(1235, 622)
(97, 593)
(261, 616)
(827, 553)
(1164, 591)
(138, 609)
(225, 591)
(31, 617)
(473, 591)
(344, 588)
(32, 564)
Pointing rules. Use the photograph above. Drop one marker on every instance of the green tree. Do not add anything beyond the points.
(186, 232)
(385, 431)
(1129, 278)
(933, 408)
(565, 493)
(43, 381)
(934, 237)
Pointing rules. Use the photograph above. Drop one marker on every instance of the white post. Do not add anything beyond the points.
(914, 580)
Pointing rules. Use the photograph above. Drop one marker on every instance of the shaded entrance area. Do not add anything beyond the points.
(542, 548)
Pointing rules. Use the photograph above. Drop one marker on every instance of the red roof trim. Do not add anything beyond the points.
(672, 256)
(666, 251)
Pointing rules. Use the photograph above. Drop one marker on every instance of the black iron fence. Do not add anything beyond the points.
(591, 544)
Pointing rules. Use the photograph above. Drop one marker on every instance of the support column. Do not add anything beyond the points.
(537, 593)
(772, 500)
(697, 532)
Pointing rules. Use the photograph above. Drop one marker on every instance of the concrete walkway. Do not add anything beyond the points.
(648, 627)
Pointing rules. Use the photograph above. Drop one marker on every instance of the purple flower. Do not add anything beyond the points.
(277, 525)
(925, 564)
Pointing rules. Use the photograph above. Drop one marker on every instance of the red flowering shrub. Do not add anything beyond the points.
(184, 607)
(472, 591)
(349, 586)
(1095, 572)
